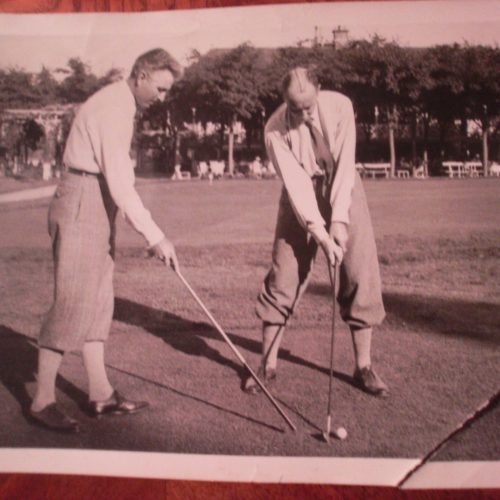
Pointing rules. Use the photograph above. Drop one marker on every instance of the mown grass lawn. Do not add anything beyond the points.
(439, 249)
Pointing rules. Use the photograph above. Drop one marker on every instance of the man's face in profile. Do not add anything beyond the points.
(152, 87)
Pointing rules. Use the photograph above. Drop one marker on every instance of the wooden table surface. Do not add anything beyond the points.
(51, 486)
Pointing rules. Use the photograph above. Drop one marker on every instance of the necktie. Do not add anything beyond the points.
(324, 157)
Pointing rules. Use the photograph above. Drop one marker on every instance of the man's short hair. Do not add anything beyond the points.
(310, 74)
(156, 60)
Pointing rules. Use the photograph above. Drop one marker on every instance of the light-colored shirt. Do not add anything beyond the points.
(290, 149)
(99, 142)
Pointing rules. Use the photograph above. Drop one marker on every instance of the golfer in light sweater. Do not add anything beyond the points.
(97, 182)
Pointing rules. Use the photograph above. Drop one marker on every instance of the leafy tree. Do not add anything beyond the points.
(445, 98)
(16, 89)
(222, 87)
(80, 84)
(482, 90)
(389, 78)
(111, 76)
(45, 87)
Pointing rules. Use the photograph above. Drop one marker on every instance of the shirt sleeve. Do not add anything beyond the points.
(298, 185)
(344, 155)
(114, 134)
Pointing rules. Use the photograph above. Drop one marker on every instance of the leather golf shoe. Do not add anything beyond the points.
(367, 380)
(54, 419)
(115, 405)
(268, 377)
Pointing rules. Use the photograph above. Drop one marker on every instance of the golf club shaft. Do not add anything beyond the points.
(333, 280)
(235, 350)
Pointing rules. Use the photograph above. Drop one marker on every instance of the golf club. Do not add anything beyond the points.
(340, 433)
(236, 352)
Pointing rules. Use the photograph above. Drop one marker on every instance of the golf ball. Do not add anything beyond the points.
(341, 433)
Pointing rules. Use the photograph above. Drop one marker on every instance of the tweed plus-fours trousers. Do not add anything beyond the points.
(294, 251)
(82, 227)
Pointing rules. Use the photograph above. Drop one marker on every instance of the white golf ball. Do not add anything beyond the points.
(341, 433)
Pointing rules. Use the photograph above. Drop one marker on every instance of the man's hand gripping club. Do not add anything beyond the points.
(335, 246)
(165, 251)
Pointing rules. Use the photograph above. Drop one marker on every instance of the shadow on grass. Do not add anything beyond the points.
(181, 334)
(185, 336)
(18, 365)
(452, 317)
(199, 400)
(189, 337)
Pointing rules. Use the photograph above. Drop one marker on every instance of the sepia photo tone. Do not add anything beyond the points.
(163, 195)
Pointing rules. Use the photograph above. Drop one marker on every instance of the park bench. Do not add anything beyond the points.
(452, 168)
(359, 168)
(402, 173)
(462, 169)
(473, 168)
(377, 170)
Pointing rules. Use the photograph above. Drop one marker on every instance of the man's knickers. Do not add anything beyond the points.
(294, 252)
(82, 227)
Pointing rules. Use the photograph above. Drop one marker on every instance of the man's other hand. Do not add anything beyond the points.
(338, 232)
(333, 252)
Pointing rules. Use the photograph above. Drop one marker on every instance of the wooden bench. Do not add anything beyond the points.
(377, 169)
(403, 174)
(473, 168)
(452, 168)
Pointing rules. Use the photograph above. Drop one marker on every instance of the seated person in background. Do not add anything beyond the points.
(269, 171)
(420, 169)
(495, 169)
(256, 168)
(404, 164)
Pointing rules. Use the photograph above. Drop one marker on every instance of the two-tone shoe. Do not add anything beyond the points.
(116, 404)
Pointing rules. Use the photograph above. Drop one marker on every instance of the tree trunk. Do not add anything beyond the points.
(392, 149)
(220, 149)
(485, 149)
(443, 131)
(426, 145)
(177, 152)
(414, 138)
(463, 138)
(392, 145)
(230, 159)
(230, 149)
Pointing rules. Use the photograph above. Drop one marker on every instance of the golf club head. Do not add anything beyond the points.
(327, 436)
(326, 433)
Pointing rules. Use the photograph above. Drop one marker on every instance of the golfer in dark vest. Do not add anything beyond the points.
(97, 182)
(311, 142)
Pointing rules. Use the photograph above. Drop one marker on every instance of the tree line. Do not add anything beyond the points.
(437, 91)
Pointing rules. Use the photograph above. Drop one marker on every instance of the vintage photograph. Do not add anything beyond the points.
(253, 243)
